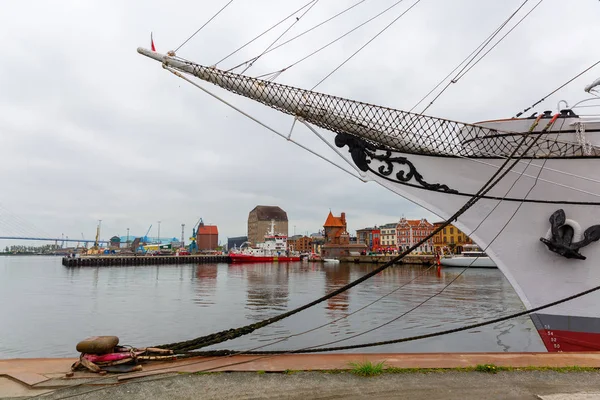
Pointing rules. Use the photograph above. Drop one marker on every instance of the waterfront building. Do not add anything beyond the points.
(207, 237)
(236, 242)
(291, 242)
(115, 242)
(259, 222)
(370, 237)
(411, 231)
(388, 236)
(451, 237)
(337, 238)
(317, 240)
(303, 244)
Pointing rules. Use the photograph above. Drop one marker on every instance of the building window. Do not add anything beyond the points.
(452, 232)
(451, 239)
(444, 231)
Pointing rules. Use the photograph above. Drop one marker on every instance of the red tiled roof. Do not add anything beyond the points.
(333, 221)
(415, 222)
(208, 230)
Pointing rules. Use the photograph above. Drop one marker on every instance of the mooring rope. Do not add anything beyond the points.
(406, 339)
(287, 337)
(222, 336)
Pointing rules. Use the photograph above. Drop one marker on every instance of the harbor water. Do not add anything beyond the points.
(45, 308)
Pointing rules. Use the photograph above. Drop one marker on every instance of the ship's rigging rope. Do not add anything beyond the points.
(470, 59)
(289, 40)
(206, 23)
(366, 44)
(557, 89)
(331, 42)
(280, 36)
(264, 33)
(219, 337)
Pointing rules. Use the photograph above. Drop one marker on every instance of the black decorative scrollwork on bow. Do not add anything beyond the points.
(363, 152)
(561, 241)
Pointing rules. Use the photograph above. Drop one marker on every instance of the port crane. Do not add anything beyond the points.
(147, 233)
(193, 248)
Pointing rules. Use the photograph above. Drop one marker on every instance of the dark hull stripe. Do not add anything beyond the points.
(566, 323)
(562, 333)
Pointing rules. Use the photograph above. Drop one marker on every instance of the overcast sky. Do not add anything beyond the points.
(92, 130)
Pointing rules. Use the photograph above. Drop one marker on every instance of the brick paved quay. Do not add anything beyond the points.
(28, 377)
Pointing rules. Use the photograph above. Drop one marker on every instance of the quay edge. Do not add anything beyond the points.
(100, 261)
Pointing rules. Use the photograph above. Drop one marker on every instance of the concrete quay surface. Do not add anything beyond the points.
(248, 377)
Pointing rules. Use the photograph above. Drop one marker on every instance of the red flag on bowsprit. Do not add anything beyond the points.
(152, 43)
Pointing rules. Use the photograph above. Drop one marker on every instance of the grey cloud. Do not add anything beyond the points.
(92, 130)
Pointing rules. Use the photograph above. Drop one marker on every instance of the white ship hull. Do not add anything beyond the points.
(440, 164)
(469, 262)
(538, 275)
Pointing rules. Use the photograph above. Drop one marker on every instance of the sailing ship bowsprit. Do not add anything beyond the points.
(538, 223)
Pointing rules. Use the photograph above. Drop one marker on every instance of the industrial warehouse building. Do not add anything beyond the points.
(207, 237)
(259, 222)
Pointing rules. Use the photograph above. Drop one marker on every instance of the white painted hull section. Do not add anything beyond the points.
(538, 275)
(470, 262)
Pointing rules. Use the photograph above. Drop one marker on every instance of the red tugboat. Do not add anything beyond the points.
(273, 249)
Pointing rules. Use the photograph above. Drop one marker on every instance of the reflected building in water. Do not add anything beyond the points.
(205, 283)
(337, 276)
(267, 289)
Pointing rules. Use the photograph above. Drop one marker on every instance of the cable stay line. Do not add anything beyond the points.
(474, 55)
(335, 40)
(557, 89)
(260, 35)
(293, 38)
(178, 74)
(498, 42)
(366, 44)
(280, 36)
(206, 23)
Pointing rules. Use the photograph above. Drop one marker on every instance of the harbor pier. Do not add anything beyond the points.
(132, 260)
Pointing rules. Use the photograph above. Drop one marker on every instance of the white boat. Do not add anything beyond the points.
(536, 216)
(273, 249)
(331, 260)
(471, 257)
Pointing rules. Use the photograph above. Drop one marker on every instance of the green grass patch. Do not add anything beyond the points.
(367, 368)
(489, 368)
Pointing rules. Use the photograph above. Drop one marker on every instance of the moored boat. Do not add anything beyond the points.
(471, 257)
(273, 249)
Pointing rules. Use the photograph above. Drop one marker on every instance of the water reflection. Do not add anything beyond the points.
(267, 290)
(205, 280)
(172, 303)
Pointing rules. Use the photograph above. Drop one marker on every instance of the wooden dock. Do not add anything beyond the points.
(131, 260)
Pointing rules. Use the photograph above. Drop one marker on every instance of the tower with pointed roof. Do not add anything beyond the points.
(337, 238)
(336, 230)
